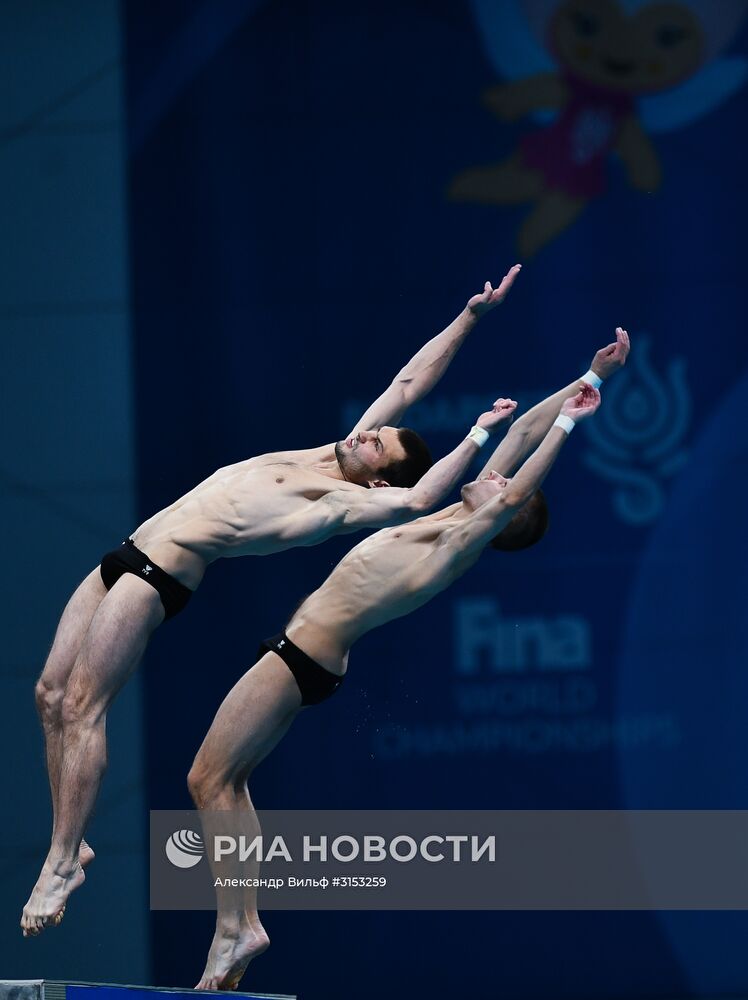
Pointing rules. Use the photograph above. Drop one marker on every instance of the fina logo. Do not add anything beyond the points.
(637, 436)
(184, 848)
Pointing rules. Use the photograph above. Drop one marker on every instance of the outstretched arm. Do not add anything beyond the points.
(353, 509)
(527, 432)
(425, 369)
(489, 519)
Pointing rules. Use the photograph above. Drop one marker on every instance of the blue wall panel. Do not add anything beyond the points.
(294, 243)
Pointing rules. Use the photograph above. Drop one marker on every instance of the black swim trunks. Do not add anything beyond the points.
(315, 683)
(129, 559)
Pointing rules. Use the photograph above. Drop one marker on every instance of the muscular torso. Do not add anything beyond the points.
(256, 507)
(386, 576)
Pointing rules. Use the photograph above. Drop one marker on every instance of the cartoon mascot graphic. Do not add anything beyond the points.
(610, 74)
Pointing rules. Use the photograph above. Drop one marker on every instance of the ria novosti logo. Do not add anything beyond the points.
(185, 848)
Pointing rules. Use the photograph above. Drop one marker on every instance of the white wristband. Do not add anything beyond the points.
(564, 422)
(591, 379)
(478, 435)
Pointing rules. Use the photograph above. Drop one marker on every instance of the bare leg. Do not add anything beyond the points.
(254, 716)
(50, 688)
(553, 213)
(505, 183)
(114, 643)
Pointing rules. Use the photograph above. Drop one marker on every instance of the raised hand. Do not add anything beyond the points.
(582, 405)
(503, 409)
(609, 359)
(484, 301)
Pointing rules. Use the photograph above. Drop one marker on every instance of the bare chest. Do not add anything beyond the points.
(265, 491)
(396, 559)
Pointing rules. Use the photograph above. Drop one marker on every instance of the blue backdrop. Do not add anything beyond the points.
(295, 237)
(67, 470)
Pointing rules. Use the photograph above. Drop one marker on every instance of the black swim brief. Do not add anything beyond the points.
(129, 559)
(315, 683)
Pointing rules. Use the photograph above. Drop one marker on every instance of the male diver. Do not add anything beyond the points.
(387, 576)
(262, 505)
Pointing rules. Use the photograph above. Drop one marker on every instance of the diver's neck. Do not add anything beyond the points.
(332, 470)
(459, 512)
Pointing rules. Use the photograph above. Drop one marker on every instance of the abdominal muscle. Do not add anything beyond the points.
(237, 511)
(382, 578)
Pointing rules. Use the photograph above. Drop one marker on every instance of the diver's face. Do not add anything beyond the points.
(654, 48)
(363, 456)
(475, 494)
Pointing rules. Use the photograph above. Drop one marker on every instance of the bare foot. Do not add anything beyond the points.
(46, 904)
(85, 854)
(230, 953)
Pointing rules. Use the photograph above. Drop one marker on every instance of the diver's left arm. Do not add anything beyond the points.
(489, 519)
(528, 431)
(425, 368)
